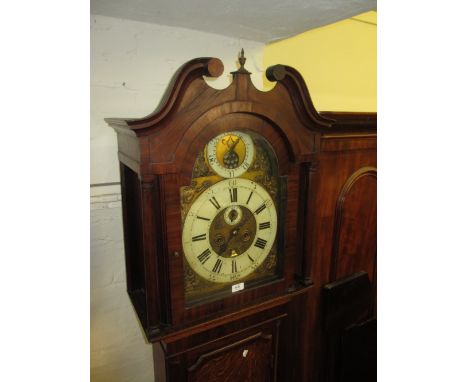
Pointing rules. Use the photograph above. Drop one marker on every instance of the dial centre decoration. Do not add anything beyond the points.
(232, 215)
(237, 234)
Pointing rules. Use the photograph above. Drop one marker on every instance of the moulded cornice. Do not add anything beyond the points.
(213, 67)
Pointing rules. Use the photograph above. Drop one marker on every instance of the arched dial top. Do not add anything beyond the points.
(229, 230)
(230, 154)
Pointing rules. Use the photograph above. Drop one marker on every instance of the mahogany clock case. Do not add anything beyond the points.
(328, 163)
(157, 155)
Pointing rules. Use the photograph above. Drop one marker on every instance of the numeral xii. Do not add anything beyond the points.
(233, 195)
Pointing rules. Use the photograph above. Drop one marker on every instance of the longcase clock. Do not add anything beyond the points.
(215, 189)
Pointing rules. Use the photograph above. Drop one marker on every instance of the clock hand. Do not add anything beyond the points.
(234, 232)
(234, 144)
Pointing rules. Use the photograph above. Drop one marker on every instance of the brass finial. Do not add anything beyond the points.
(242, 60)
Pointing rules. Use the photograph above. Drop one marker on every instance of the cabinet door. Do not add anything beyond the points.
(248, 360)
(350, 330)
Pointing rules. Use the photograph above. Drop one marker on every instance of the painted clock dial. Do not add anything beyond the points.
(232, 217)
(229, 230)
(230, 154)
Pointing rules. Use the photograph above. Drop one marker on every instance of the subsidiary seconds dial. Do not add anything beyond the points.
(229, 230)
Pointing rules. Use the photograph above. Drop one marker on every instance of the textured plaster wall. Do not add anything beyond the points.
(131, 65)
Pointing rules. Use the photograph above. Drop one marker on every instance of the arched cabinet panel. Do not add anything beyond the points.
(355, 226)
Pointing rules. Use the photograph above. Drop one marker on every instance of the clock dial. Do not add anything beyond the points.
(229, 230)
(230, 154)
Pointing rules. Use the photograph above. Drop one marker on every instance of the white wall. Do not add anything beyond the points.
(131, 65)
(118, 349)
